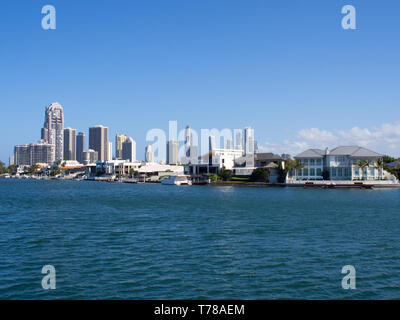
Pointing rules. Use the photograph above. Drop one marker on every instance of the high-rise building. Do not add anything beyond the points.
(98, 141)
(80, 146)
(89, 156)
(238, 139)
(172, 152)
(129, 150)
(119, 140)
(229, 144)
(149, 155)
(53, 130)
(30, 154)
(211, 143)
(69, 144)
(248, 140)
(109, 157)
(22, 155)
(188, 140)
(191, 150)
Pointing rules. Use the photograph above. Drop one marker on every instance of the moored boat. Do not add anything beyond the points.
(177, 180)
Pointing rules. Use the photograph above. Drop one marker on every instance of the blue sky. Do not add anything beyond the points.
(286, 68)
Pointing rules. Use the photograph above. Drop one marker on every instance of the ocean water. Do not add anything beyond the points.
(126, 241)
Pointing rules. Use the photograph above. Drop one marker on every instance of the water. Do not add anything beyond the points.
(124, 241)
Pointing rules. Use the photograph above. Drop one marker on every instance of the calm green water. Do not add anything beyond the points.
(124, 241)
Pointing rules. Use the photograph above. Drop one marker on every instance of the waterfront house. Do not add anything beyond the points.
(341, 163)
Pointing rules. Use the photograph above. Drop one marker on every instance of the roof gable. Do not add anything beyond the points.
(311, 153)
(353, 151)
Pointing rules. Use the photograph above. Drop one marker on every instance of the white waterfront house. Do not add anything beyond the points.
(341, 163)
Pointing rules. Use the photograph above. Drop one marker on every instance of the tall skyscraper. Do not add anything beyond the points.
(119, 140)
(248, 140)
(53, 129)
(80, 146)
(109, 156)
(211, 143)
(172, 152)
(69, 144)
(229, 144)
(238, 139)
(98, 141)
(188, 140)
(129, 150)
(191, 150)
(149, 155)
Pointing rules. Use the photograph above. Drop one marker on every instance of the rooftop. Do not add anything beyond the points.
(353, 151)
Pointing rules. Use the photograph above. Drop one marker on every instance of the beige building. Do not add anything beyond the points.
(98, 141)
(69, 144)
(119, 140)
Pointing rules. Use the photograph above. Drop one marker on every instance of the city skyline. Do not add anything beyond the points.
(298, 79)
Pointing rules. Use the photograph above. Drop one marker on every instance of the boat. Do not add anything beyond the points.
(176, 180)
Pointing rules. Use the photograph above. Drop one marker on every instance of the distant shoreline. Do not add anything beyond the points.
(247, 184)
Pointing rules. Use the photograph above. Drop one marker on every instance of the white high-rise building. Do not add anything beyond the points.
(129, 150)
(248, 140)
(229, 144)
(238, 139)
(149, 154)
(30, 154)
(53, 130)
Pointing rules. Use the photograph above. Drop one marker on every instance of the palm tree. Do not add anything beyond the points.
(379, 165)
(362, 164)
(298, 165)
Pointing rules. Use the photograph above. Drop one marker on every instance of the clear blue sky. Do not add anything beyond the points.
(279, 66)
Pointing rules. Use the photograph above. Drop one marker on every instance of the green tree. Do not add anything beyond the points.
(33, 168)
(259, 175)
(214, 177)
(379, 165)
(325, 174)
(133, 173)
(362, 164)
(3, 168)
(284, 169)
(225, 175)
(298, 165)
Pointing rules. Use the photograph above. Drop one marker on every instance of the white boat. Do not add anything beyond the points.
(176, 180)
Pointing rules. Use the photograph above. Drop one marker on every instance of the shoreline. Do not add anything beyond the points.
(243, 184)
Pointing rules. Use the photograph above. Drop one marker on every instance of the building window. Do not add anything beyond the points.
(340, 172)
(312, 162)
(319, 172)
(312, 172)
(333, 172)
(305, 172)
(318, 161)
